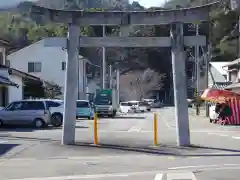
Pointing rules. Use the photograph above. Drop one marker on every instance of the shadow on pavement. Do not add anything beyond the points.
(31, 129)
(82, 127)
(4, 148)
(126, 117)
(190, 151)
(16, 129)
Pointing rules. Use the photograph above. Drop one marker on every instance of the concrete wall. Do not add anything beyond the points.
(14, 93)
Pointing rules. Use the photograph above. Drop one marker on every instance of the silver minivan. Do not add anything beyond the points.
(26, 112)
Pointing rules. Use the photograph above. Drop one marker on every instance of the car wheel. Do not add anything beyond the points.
(56, 120)
(1, 123)
(210, 120)
(38, 123)
(148, 110)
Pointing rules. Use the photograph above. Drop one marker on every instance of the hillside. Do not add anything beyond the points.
(20, 29)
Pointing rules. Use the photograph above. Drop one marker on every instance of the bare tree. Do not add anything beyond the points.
(52, 90)
(139, 84)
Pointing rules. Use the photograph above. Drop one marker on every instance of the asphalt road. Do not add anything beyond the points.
(125, 152)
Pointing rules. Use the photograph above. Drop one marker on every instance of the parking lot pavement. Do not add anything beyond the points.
(94, 163)
(122, 154)
(135, 131)
(205, 134)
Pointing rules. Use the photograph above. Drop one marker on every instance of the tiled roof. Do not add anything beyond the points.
(233, 85)
(6, 81)
(221, 85)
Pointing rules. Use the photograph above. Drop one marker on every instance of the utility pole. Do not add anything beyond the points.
(198, 72)
(179, 84)
(103, 68)
(70, 93)
(207, 59)
(110, 76)
(118, 84)
(81, 79)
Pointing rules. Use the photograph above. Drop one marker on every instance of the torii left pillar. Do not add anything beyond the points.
(71, 85)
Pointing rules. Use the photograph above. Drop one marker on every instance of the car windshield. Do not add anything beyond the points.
(133, 103)
(103, 99)
(82, 104)
(124, 104)
(143, 104)
(14, 106)
(54, 103)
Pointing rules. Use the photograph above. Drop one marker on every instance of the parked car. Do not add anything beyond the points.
(153, 103)
(27, 112)
(144, 106)
(157, 104)
(134, 106)
(149, 101)
(125, 107)
(84, 110)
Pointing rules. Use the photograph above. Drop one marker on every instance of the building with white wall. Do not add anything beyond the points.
(11, 80)
(46, 63)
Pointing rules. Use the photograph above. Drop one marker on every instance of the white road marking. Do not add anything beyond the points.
(160, 177)
(203, 166)
(218, 134)
(92, 176)
(2, 142)
(235, 137)
(134, 129)
(181, 176)
(79, 158)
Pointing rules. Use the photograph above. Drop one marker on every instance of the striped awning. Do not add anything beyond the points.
(221, 86)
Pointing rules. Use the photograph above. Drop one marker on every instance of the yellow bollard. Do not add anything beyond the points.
(155, 130)
(95, 130)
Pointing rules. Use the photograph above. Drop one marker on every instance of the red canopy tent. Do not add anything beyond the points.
(224, 96)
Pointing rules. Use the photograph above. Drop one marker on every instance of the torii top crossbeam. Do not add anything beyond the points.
(153, 17)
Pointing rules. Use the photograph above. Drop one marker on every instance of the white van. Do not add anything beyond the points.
(134, 106)
(125, 107)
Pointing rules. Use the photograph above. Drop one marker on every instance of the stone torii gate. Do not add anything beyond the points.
(176, 18)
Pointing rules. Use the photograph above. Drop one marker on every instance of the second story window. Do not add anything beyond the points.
(63, 66)
(34, 67)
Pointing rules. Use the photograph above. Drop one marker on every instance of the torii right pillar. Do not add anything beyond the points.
(179, 84)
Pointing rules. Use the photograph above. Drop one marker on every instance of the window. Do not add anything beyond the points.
(63, 66)
(34, 105)
(82, 104)
(34, 67)
(8, 63)
(1, 58)
(14, 106)
(143, 104)
(53, 104)
(124, 104)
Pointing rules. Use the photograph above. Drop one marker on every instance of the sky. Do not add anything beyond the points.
(150, 3)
